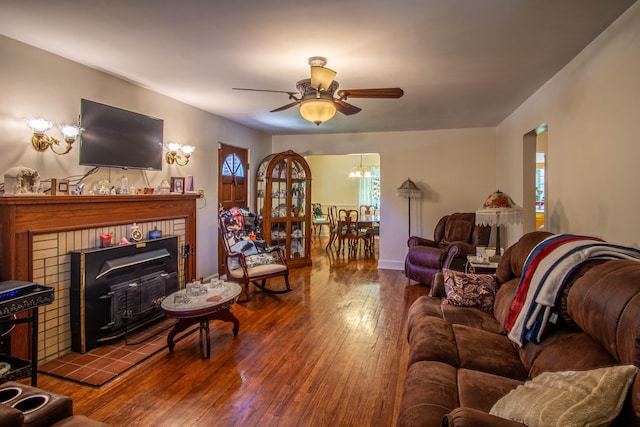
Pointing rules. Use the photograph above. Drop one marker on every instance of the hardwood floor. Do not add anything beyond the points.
(330, 353)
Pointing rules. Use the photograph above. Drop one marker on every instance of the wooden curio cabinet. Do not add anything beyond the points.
(283, 201)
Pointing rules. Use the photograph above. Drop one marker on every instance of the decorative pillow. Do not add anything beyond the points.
(253, 260)
(570, 398)
(259, 259)
(469, 290)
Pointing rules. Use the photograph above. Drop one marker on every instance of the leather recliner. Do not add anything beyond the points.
(454, 237)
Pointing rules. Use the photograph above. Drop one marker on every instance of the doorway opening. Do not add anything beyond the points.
(535, 179)
(346, 181)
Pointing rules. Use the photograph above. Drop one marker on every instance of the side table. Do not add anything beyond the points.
(476, 266)
(212, 303)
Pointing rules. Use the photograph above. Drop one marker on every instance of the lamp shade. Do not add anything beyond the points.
(321, 77)
(499, 209)
(317, 110)
(408, 190)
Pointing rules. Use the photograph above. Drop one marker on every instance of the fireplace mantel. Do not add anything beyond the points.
(23, 217)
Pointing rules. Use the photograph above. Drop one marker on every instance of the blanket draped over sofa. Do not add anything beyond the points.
(462, 362)
(546, 269)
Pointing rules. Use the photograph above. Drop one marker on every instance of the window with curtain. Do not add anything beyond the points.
(369, 189)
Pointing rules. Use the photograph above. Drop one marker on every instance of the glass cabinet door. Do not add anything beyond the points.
(283, 203)
(279, 190)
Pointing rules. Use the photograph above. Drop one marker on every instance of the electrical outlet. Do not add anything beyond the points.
(201, 192)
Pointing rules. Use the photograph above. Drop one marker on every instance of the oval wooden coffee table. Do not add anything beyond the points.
(214, 305)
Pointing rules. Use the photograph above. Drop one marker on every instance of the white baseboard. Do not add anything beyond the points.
(390, 265)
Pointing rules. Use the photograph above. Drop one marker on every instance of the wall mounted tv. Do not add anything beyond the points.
(118, 138)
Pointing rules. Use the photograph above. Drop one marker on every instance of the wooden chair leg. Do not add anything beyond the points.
(246, 293)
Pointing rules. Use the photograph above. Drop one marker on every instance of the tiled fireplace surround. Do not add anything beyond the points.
(37, 234)
(52, 267)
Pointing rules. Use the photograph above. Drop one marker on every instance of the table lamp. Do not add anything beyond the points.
(498, 209)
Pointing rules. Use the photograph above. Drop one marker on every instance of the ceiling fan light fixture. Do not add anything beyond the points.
(317, 111)
(321, 77)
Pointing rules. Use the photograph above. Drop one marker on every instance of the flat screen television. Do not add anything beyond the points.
(118, 138)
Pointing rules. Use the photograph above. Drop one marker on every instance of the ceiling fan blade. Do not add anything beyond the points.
(346, 108)
(389, 92)
(266, 90)
(285, 107)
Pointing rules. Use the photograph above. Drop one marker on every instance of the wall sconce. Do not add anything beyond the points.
(41, 141)
(178, 153)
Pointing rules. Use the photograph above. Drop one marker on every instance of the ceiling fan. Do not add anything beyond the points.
(319, 97)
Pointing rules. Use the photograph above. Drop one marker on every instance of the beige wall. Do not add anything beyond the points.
(37, 83)
(592, 108)
(455, 169)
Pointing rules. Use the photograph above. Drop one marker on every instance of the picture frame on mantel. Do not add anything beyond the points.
(177, 185)
(59, 187)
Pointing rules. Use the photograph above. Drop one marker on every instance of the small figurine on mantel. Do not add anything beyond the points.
(22, 180)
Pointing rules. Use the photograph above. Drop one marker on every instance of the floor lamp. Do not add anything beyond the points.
(498, 209)
(409, 190)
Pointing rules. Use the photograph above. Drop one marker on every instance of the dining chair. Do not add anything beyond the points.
(319, 219)
(333, 225)
(372, 229)
(349, 231)
(367, 210)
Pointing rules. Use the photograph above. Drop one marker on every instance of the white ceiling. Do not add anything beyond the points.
(461, 63)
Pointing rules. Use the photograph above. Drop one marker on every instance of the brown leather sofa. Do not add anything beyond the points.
(454, 237)
(25, 406)
(461, 361)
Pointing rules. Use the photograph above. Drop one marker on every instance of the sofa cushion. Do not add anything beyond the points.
(564, 349)
(472, 317)
(469, 290)
(469, 417)
(432, 339)
(502, 302)
(430, 392)
(612, 321)
(480, 390)
(569, 398)
(487, 352)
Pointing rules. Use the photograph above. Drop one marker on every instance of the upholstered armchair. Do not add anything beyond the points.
(454, 237)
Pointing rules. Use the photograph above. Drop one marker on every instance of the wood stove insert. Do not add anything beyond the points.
(118, 289)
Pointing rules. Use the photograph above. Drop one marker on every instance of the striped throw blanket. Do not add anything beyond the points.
(545, 270)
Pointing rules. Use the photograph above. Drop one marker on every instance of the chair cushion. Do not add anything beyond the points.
(258, 259)
(259, 270)
(576, 398)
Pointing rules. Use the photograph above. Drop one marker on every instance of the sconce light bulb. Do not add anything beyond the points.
(187, 150)
(173, 146)
(39, 125)
(70, 132)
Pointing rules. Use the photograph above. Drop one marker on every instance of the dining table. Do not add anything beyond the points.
(368, 220)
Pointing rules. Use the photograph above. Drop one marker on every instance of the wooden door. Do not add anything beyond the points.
(232, 179)
(233, 183)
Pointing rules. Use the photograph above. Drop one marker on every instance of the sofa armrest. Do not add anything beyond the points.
(10, 417)
(468, 417)
(437, 286)
(421, 241)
